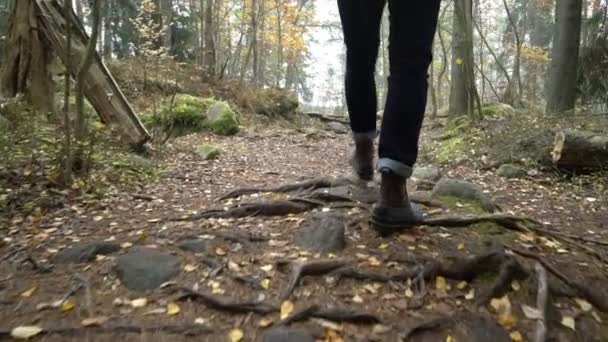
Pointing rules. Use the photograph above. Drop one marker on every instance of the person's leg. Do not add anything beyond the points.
(413, 25)
(361, 25)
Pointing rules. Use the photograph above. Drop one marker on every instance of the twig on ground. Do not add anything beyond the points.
(187, 330)
(143, 197)
(508, 221)
(540, 335)
(87, 294)
(331, 314)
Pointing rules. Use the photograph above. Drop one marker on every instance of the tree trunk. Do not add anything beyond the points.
(107, 30)
(27, 58)
(461, 98)
(167, 13)
(580, 150)
(210, 62)
(99, 87)
(561, 95)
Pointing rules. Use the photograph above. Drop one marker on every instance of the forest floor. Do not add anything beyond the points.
(236, 278)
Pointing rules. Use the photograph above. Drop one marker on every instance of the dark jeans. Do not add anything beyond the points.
(412, 28)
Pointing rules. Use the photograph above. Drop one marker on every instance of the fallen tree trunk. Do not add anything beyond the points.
(100, 88)
(580, 150)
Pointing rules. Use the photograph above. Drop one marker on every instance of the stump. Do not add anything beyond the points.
(575, 149)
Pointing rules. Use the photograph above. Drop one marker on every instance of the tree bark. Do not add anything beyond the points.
(27, 58)
(461, 91)
(210, 54)
(561, 94)
(580, 150)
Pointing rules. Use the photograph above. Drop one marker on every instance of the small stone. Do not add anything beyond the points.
(86, 252)
(287, 335)
(511, 171)
(146, 269)
(337, 127)
(427, 173)
(323, 233)
(194, 246)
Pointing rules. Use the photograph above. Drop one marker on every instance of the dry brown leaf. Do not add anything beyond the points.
(409, 293)
(67, 306)
(28, 293)
(219, 251)
(501, 305)
(470, 295)
(235, 335)
(25, 332)
(190, 268)
(94, 321)
(172, 309)
(286, 309)
(449, 338)
(373, 261)
(266, 268)
(507, 320)
(357, 299)
(569, 322)
(265, 323)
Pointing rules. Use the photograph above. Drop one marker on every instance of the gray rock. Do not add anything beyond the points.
(146, 269)
(194, 246)
(511, 171)
(323, 233)
(222, 120)
(87, 251)
(427, 173)
(287, 335)
(337, 127)
(464, 190)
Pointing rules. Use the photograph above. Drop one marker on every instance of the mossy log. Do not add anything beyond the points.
(575, 149)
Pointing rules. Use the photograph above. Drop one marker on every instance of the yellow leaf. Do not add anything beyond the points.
(94, 321)
(515, 285)
(235, 335)
(383, 246)
(219, 251)
(373, 261)
(409, 293)
(172, 309)
(507, 320)
(459, 61)
(25, 332)
(583, 304)
(67, 306)
(470, 295)
(501, 305)
(568, 322)
(449, 338)
(265, 283)
(516, 336)
(357, 299)
(462, 285)
(286, 309)
(441, 283)
(461, 246)
(28, 293)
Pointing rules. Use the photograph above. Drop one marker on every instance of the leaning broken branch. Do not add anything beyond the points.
(540, 335)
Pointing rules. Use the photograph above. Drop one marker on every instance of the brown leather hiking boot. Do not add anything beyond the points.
(393, 211)
(362, 160)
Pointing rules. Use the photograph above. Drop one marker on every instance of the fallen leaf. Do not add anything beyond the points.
(172, 309)
(286, 309)
(266, 268)
(357, 299)
(235, 335)
(94, 321)
(507, 320)
(583, 304)
(67, 306)
(409, 293)
(449, 338)
(200, 321)
(157, 311)
(441, 283)
(219, 251)
(461, 246)
(373, 261)
(462, 285)
(569, 322)
(25, 332)
(596, 317)
(530, 312)
(470, 295)
(516, 336)
(501, 305)
(28, 293)
(265, 323)
(380, 329)
(126, 245)
(383, 246)
(190, 268)
(265, 283)
(139, 302)
(515, 285)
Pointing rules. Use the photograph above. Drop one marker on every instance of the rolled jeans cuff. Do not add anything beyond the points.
(395, 166)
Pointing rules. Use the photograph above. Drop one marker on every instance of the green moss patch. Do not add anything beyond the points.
(222, 119)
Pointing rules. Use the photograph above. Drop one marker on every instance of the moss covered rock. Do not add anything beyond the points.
(221, 119)
(497, 110)
(463, 190)
(208, 152)
(511, 171)
(186, 114)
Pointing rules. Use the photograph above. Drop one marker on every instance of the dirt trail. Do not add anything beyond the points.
(373, 289)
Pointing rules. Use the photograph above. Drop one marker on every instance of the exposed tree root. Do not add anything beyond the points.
(315, 267)
(331, 314)
(310, 185)
(226, 304)
(433, 324)
(597, 299)
(510, 270)
(279, 208)
(508, 221)
(187, 330)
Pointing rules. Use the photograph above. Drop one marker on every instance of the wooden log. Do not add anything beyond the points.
(100, 88)
(575, 149)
